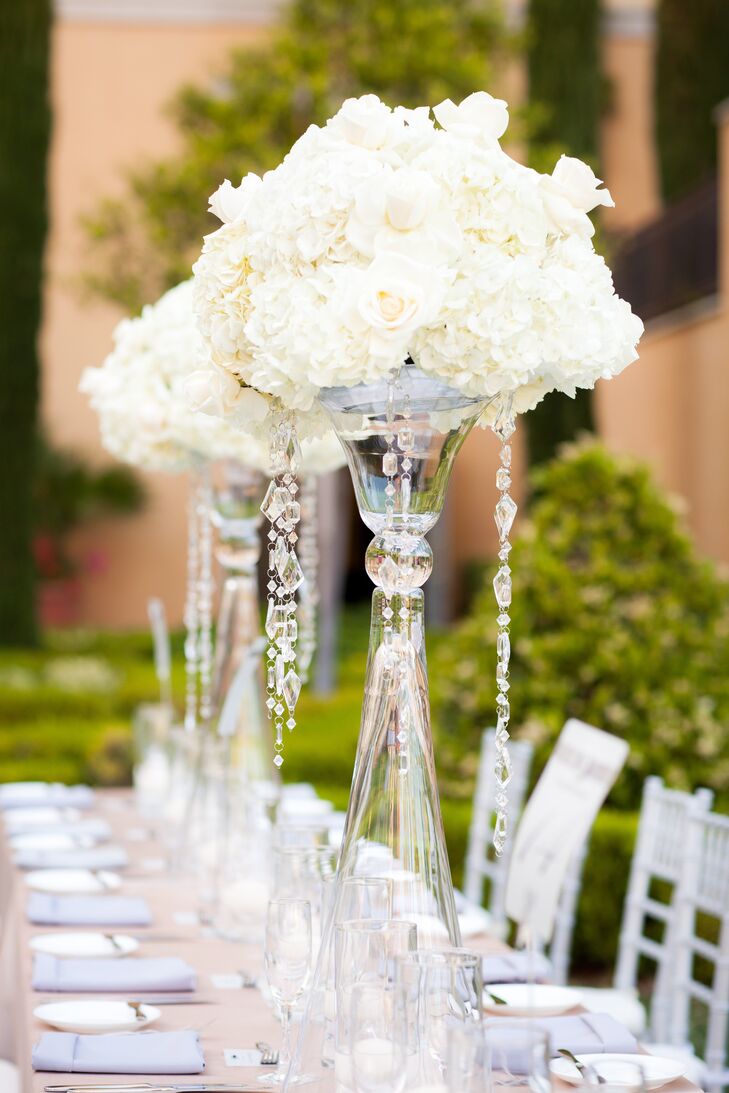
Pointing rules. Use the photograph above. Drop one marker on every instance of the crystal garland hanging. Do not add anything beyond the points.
(504, 513)
(205, 590)
(190, 617)
(309, 590)
(283, 512)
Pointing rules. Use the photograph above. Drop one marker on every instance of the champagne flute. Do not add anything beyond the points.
(288, 961)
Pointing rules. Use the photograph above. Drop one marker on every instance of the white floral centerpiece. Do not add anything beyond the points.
(392, 233)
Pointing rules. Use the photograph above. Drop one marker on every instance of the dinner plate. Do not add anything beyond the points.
(84, 946)
(95, 1015)
(530, 1000)
(49, 840)
(657, 1069)
(72, 881)
(24, 819)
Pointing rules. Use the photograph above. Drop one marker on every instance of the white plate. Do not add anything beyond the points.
(49, 840)
(95, 1015)
(72, 881)
(525, 1000)
(84, 946)
(657, 1070)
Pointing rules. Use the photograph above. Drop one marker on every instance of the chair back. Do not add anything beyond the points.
(703, 907)
(481, 862)
(659, 855)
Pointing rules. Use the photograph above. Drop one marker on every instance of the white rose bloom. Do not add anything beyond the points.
(396, 297)
(229, 201)
(570, 193)
(367, 122)
(478, 117)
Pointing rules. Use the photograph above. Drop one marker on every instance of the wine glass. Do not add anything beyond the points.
(377, 1038)
(288, 960)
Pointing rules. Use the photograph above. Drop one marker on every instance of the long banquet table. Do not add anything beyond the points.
(229, 1019)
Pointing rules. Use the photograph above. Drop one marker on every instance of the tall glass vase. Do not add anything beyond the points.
(400, 438)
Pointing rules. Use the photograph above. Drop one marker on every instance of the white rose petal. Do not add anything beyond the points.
(229, 202)
(478, 117)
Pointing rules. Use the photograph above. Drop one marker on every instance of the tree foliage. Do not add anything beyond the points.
(565, 88)
(614, 620)
(412, 52)
(692, 77)
(24, 134)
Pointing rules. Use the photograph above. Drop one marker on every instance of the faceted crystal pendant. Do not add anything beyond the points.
(291, 513)
(278, 760)
(503, 619)
(502, 587)
(503, 646)
(389, 464)
(503, 479)
(291, 688)
(504, 515)
(388, 575)
(406, 438)
(280, 554)
(293, 452)
(291, 574)
(274, 502)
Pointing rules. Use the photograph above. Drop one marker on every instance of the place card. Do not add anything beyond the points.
(556, 821)
(238, 1056)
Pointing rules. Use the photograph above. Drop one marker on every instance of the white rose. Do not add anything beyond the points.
(212, 391)
(480, 116)
(365, 121)
(570, 193)
(229, 201)
(402, 211)
(397, 296)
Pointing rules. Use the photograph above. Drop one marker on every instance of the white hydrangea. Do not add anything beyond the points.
(384, 235)
(162, 406)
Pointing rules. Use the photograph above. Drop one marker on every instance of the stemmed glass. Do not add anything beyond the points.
(519, 1055)
(288, 963)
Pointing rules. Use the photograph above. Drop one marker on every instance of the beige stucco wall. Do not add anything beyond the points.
(110, 84)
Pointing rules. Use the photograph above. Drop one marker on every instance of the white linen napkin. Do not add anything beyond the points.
(47, 910)
(97, 857)
(44, 794)
(120, 1053)
(164, 973)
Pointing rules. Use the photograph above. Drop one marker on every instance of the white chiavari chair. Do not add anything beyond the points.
(703, 903)
(659, 854)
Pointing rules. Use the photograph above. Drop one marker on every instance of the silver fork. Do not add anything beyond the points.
(247, 981)
(269, 1055)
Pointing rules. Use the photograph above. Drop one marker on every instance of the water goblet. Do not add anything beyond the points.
(287, 959)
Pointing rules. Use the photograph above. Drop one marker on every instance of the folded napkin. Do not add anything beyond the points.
(585, 1034)
(44, 795)
(97, 857)
(92, 828)
(516, 968)
(163, 973)
(47, 910)
(120, 1053)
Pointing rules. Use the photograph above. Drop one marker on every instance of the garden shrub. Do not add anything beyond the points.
(615, 621)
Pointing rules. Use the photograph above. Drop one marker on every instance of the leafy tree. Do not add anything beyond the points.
(615, 621)
(412, 52)
(24, 133)
(565, 86)
(692, 76)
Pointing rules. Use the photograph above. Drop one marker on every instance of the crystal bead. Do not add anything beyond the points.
(403, 613)
(291, 688)
(388, 575)
(407, 464)
(504, 709)
(387, 613)
(505, 551)
(293, 452)
(390, 489)
(292, 513)
(501, 674)
(504, 424)
(402, 737)
(272, 585)
(271, 652)
(293, 489)
(502, 771)
(270, 703)
(406, 438)
(291, 723)
(505, 455)
(280, 554)
(503, 647)
(279, 673)
(405, 494)
(503, 619)
(504, 515)
(274, 502)
(291, 575)
(389, 464)
(502, 587)
(278, 709)
(503, 479)
(273, 534)
(278, 760)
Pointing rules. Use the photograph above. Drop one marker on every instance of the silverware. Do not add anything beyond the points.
(147, 1087)
(269, 1055)
(117, 944)
(584, 1070)
(174, 1000)
(137, 1007)
(247, 981)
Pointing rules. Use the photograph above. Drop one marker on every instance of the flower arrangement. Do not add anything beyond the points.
(394, 233)
(147, 396)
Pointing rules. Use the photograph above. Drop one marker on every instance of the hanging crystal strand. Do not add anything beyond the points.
(190, 617)
(503, 426)
(283, 512)
(389, 469)
(309, 591)
(205, 590)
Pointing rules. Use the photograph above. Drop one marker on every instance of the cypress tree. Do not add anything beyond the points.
(563, 58)
(24, 135)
